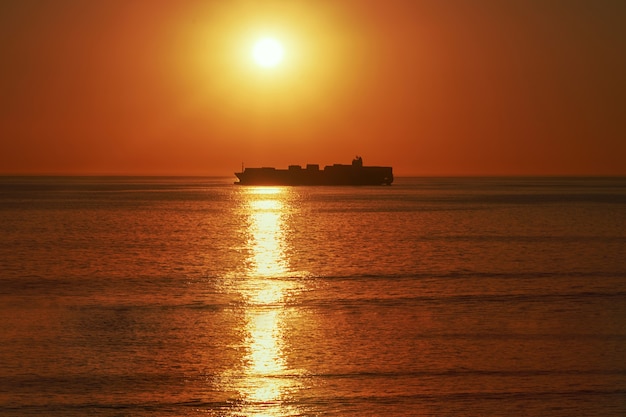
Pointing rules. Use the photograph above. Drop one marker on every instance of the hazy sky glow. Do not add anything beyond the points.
(434, 87)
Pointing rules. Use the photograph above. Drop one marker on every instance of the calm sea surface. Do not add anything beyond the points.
(194, 297)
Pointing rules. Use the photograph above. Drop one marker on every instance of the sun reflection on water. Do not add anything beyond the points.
(267, 237)
(267, 382)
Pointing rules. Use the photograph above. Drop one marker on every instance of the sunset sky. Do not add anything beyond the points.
(458, 87)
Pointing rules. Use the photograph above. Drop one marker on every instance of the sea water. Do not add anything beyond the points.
(127, 296)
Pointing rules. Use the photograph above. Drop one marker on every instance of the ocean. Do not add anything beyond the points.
(174, 296)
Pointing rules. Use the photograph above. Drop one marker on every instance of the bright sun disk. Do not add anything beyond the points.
(267, 52)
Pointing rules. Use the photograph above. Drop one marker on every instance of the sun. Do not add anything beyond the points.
(268, 52)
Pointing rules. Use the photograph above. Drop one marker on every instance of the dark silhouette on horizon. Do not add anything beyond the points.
(337, 174)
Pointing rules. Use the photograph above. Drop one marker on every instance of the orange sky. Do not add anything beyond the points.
(459, 87)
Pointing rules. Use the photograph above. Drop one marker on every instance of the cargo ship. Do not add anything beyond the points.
(337, 174)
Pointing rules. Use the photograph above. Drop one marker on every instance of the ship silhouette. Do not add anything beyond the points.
(337, 174)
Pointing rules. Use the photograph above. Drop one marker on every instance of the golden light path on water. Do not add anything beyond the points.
(267, 383)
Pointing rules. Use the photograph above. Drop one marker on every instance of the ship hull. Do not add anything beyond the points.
(337, 174)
